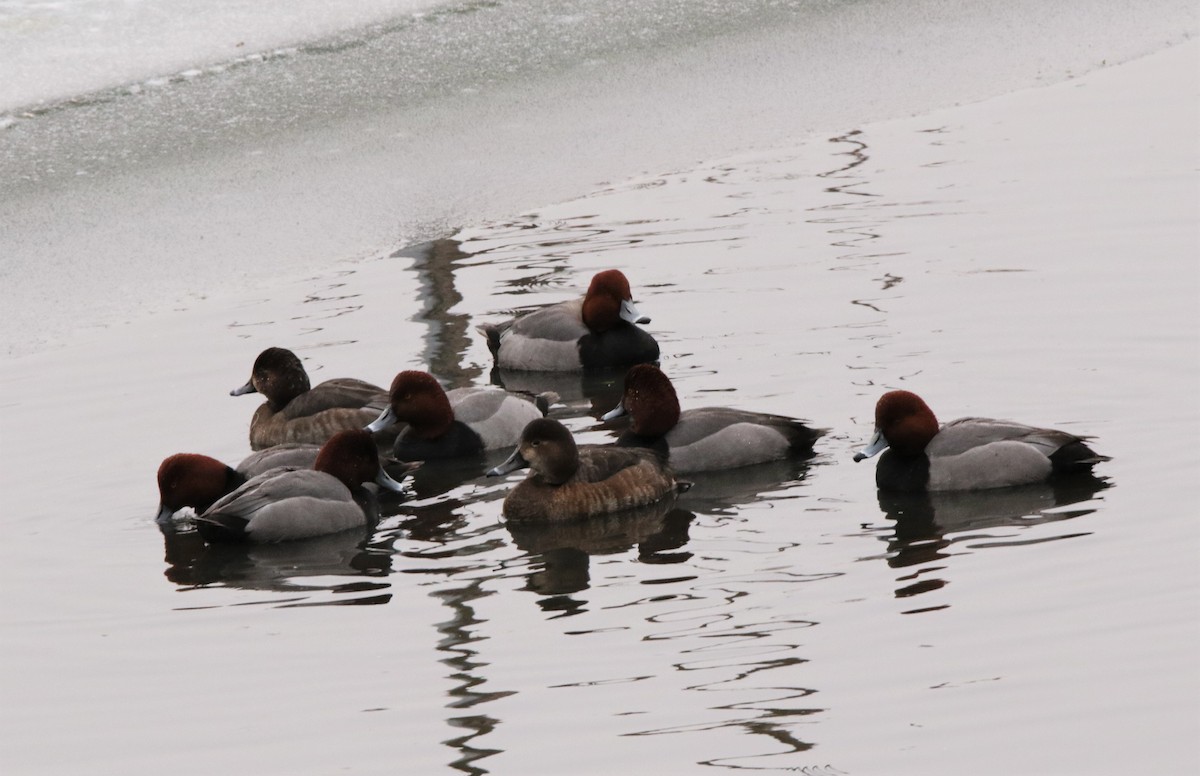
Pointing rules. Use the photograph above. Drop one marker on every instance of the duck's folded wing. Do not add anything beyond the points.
(340, 393)
(964, 434)
(496, 415)
(600, 462)
(562, 322)
(473, 405)
(697, 424)
(293, 455)
(276, 485)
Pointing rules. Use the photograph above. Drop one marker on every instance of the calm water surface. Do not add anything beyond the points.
(784, 617)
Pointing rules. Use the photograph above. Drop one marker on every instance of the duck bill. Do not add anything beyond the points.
(384, 480)
(165, 513)
(247, 388)
(631, 314)
(618, 411)
(877, 445)
(386, 418)
(514, 462)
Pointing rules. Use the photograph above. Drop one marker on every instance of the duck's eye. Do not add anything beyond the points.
(535, 443)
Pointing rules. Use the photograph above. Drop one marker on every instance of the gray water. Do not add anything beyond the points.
(1032, 256)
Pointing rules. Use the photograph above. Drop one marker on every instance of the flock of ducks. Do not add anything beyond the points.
(316, 447)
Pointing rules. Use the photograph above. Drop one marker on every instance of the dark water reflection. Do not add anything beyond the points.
(560, 553)
(284, 567)
(930, 528)
(579, 393)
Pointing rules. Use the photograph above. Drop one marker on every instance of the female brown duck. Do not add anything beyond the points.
(568, 482)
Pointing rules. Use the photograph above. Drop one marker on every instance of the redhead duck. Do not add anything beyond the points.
(296, 412)
(596, 331)
(968, 453)
(708, 438)
(285, 504)
(196, 481)
(463, 422)
(568, 482)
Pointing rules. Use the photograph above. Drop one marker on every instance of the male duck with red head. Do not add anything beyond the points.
(461, 422)
(968, 453)
(197, 481)
(285, 504)
(707, 438)
(598, 331)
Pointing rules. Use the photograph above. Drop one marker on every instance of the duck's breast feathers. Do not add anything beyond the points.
(497, 416)
(622, 345)
(340, 393)
(720, 438)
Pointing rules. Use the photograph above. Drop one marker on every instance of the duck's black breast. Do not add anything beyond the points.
(902, 472)
(623, 345)
(459, 441)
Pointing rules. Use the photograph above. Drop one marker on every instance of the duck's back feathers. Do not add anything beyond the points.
(601, 462)
(498, 417)
(339, 393)
(960, 435)
(983, 453)
(543, 340)
(282, 504)
(294, 455)
(719, 438)
(609, 479)
(712, 438)
(268, 428)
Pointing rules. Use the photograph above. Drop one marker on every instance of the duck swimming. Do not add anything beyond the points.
(968, 453)
(286, 504)
(296, 412)
(463, 422)
(197, 481)
(569, 482)
(707, 438)
(596, 331)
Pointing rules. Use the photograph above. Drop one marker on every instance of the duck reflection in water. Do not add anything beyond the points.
(593, 392)
(928, 524)
(346, 557)
(561, 551)
(660, 531)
